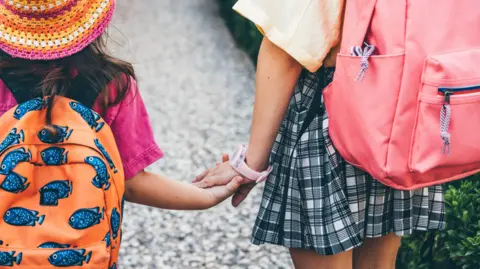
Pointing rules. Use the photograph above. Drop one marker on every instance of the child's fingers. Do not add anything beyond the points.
(207, 182)
(225, 158)
(241, 194)
(238, 198)
(220, 193)
(201, 176)
(234, 184)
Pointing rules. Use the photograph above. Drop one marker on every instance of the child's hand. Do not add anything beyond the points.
(154, 190)
(218, 194)
(221, 175)
(218, 176)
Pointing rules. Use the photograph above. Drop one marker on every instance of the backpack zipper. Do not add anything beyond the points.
(459, 89)
(446, 113)
(447, 92)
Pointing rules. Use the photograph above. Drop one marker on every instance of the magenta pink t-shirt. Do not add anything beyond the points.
(129, 123)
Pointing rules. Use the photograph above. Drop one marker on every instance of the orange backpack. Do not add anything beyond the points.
(61, 188)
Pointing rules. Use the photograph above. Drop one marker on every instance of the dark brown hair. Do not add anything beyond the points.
(92, 66)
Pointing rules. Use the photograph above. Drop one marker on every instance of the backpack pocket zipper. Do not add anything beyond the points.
(446, 112)
(459, 89)
(447, 92)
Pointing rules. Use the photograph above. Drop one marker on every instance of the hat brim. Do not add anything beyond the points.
(56, 36)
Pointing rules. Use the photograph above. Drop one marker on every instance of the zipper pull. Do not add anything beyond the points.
(447, 95)
(445, 117)
(365, 54)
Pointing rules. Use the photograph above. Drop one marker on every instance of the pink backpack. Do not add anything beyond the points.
(404, 104)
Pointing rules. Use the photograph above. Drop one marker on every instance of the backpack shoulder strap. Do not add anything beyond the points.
(19, 90)
(22, 91)
(78, 93)
(325, 76)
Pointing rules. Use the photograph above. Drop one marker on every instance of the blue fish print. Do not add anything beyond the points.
(49, 198)
(53, 245)
(102, 177)
(13, 138)
(31, 105)
(108, 239)
(63, 187)
(1, 242)
(55, 190)
(14, 183)
(59, 134)
(9, 259)
(114, 266)
(18, 216)
(115, 223)
(70, 257)
(88, 115)
(86, 218)
(106, 155)
(54, 156)
(12, 159)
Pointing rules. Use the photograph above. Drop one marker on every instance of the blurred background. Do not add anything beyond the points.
(195, 65)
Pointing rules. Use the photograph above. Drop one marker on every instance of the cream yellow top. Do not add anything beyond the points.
(308, 30)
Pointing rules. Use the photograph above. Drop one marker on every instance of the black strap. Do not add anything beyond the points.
(86, 97)
(316, 106)
(25, 90)
(314, 110)
(19, 89)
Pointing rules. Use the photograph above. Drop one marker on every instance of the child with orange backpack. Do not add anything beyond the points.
(66, 169)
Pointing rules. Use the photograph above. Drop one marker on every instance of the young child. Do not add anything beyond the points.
(57, 48)
(327, 212)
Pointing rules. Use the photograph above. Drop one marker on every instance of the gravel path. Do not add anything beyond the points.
(199, 91)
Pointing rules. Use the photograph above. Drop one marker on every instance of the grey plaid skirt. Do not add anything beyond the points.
(315, 200)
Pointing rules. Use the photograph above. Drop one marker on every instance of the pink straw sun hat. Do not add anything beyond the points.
(51, 29)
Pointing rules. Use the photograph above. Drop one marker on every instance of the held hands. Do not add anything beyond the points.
(218, 194)
(224, 174)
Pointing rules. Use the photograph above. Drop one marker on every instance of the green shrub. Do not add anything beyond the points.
(244, 32)
(456, 247)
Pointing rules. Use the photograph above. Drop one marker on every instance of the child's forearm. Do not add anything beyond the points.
(154, 190)
(277, 74)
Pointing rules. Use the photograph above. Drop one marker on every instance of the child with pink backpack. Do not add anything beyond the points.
(403, 112)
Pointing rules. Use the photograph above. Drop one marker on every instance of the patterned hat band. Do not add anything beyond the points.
(37, 7)
(51, 29)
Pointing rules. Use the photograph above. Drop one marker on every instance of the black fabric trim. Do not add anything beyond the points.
(25, 90)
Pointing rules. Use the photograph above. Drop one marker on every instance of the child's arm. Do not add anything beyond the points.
(277, 73)
(154, 190)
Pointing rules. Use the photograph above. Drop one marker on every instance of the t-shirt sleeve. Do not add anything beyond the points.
(133, 133)
(306, 29)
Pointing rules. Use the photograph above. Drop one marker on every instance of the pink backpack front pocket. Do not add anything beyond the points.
(447, 125)
(361, 111)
